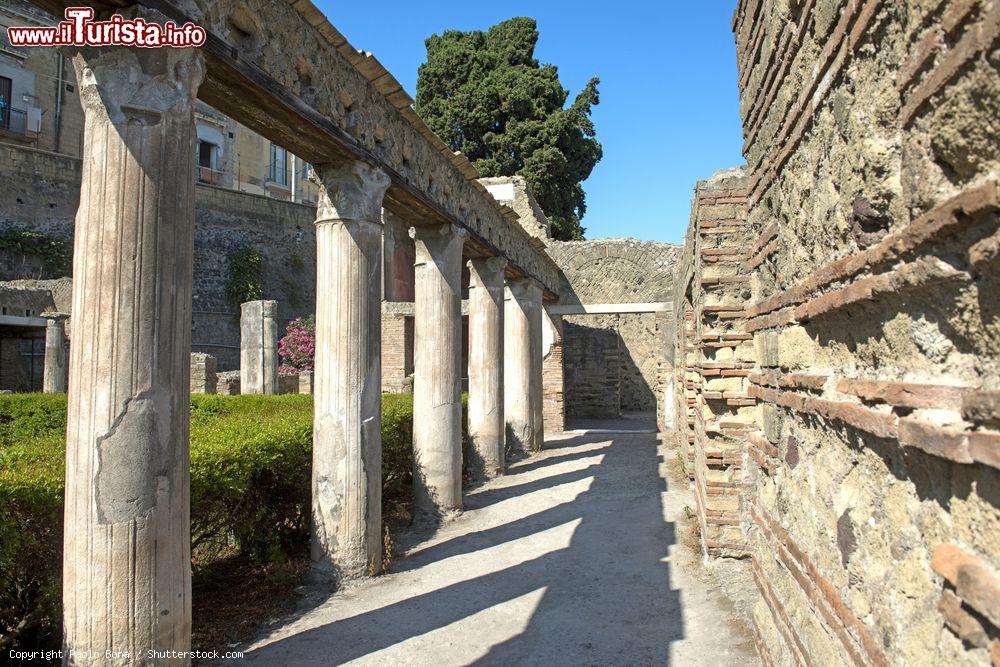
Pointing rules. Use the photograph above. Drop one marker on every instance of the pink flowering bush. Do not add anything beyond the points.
(298, 347)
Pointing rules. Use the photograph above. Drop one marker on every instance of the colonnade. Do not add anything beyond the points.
(126, 577)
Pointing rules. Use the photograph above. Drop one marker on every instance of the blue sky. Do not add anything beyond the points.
(669, 111)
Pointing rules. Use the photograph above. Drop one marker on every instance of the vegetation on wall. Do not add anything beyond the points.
(244, 282)
(54, 254)
(486, 95)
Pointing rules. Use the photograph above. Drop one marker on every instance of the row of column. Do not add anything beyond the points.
(126, 564)
(347, 538)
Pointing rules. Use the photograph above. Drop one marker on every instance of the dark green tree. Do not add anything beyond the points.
(485, 94)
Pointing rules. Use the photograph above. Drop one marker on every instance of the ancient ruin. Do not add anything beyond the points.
(821, 354)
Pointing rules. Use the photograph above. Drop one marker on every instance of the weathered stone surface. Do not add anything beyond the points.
(354, 110)
(126, 559)
(486, 352)
(873, 196)
(54, 378)
(522, 366)
(347, 408)
(437, 377)
(259, 347)
(305, 382)
(204, 375)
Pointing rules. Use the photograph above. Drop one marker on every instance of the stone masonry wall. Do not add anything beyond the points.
(43, 193)
(718, 359)
(873, 267)
(613, 362)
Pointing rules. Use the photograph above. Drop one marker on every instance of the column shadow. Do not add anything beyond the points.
(606, 596)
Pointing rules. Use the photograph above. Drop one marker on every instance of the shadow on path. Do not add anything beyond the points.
(586, 544)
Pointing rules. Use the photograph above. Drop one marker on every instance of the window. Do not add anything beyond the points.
(305, 169)
(207, 154)
(278, 171)
(208, 163)
(6, 86)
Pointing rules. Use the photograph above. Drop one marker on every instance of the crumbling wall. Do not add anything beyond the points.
(717, 360)
(872, 146)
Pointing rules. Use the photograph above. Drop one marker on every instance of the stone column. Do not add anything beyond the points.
(126, 556)
(347, 383)
(486, 422)
(54, 376)
(537, 322)
(259, 347)
(437, 375)
(204, 373)
(523, 365)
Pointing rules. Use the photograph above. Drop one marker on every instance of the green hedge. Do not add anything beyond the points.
(250, 491)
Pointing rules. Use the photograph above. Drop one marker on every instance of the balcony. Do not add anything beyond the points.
(20, 124)
(209, 175)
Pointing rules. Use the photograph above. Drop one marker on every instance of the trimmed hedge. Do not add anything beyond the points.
(250, 491)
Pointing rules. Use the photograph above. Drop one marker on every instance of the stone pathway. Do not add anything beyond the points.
(570, 559)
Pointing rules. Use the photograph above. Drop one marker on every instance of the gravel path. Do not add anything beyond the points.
(570, 559)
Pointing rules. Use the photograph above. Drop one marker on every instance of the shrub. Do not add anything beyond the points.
(31, 494)
(250, 491)
(298, 346)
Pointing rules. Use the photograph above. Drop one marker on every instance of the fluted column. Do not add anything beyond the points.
(54, 375)
(437, 374)
(523, 365)
(347, 375)
(259, 347)
(126, 557)
(486, 421)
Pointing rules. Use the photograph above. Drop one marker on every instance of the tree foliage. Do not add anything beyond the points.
(485, 94)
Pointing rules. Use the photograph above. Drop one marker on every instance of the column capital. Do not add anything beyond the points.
(54, 316)
(488, 271)
(522, 287)
(435, 232)
(166, 84)
(495, 264)
(349, 190)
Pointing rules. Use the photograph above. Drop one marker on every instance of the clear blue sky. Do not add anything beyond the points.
(669, 110)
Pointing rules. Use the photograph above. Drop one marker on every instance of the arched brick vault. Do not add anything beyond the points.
(614, 270)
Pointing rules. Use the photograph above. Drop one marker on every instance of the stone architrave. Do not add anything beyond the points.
(523, 365)
(54, 375)
(347, 373)
(486, 416)
(259, 347)
(437, 375)
(126, 556)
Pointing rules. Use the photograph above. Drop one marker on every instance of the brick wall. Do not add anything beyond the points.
(553, 380)
(872, 266)
(718, 359)
(397, 352)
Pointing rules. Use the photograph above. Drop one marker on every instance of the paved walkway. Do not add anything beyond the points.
(570, 559)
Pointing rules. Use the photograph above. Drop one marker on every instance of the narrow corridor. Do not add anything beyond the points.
(572, 558)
